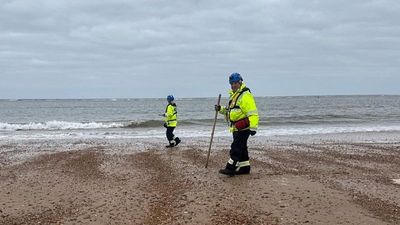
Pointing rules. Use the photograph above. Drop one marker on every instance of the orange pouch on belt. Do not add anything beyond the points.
(242, 124)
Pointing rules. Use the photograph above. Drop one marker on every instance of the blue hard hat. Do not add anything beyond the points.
(235, 77)
(170, 98)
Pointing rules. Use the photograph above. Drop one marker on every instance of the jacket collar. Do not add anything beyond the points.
(239, 90)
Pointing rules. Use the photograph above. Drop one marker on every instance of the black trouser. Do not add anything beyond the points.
(239, 151)
(170, 133)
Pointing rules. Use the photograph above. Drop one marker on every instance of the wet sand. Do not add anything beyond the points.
(292, 182)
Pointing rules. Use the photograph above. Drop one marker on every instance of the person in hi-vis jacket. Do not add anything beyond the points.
(171, 116)
(242, 115)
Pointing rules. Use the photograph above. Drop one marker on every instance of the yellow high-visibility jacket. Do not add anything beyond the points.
(241, 105)
(171, 115)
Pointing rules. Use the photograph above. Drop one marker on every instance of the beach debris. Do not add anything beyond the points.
(396, 181)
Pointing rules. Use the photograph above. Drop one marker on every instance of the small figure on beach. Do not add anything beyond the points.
(242, 115)
(171, 116)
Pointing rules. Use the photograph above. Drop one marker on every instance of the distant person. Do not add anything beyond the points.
(171, 122)
(242, 114)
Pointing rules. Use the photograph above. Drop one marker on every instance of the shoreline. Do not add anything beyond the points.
(294, 180)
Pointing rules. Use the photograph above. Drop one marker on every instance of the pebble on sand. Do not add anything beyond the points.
(396, 181)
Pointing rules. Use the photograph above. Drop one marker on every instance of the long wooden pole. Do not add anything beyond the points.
(213, 129)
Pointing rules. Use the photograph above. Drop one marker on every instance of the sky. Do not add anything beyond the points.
(153, 48)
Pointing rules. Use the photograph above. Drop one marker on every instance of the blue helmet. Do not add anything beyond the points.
(170, 98)
(235, 77)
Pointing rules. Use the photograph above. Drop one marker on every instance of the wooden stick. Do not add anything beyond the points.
(213, 129)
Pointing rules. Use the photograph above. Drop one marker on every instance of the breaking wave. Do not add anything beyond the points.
(57, 125)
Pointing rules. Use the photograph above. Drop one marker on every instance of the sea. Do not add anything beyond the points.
(50, 119)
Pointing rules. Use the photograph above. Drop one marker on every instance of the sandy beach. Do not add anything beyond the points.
(294, 180)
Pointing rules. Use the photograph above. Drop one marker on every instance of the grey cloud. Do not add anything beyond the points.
(179, 46)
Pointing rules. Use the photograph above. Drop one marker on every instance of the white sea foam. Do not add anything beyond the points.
(57, 125)
(326, 130)
(66, 130)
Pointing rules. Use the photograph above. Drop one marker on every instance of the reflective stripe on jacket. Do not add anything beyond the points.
(241, 105)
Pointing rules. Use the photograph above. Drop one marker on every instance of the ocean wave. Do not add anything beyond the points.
(272, 122)
(264, 121)
(57, 125)
(324, 119)
(63, 125)
(159, 123)
(144, 124)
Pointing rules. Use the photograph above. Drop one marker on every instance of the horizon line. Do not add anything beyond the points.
(265, 96)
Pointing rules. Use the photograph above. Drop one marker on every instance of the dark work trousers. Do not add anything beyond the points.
(239, 152)
(170, 133)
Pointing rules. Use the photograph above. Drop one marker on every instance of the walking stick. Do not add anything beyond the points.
(213, 129)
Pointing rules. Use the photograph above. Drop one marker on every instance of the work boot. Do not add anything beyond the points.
(177, 141)
(243, 170)
(227, 172)
(171, 144)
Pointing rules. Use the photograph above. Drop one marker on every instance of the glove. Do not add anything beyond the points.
(217, 108)
(253, 132)
(161, 114)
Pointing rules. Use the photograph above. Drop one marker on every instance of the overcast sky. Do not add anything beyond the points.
(152, 48)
